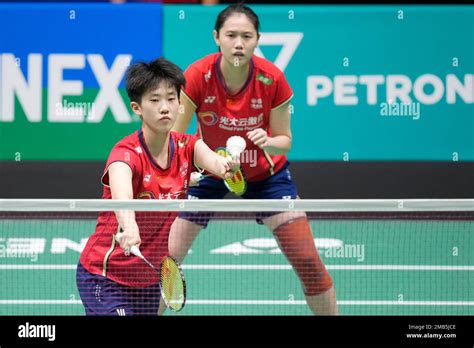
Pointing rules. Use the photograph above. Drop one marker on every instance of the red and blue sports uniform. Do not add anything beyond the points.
(109, 282)
(221, 114)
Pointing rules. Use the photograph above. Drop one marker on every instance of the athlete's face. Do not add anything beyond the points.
(237, 39)
(158, 108)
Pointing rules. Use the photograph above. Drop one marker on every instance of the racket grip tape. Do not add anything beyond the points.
(133, 249)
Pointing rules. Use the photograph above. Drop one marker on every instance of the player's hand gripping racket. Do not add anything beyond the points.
(235, 145)
(172, 283)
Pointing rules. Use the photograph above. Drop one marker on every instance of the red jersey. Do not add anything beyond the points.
(221, 114)
(102, 255)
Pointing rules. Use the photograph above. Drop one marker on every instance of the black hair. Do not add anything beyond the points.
(142, 76)
(237, 8)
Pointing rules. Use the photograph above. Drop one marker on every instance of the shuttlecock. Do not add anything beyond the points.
(235, 145)
(195, 178)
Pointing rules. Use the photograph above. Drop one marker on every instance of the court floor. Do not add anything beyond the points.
(379, 267)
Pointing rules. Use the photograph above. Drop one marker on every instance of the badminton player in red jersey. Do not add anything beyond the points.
(151, 163)
(234, 92)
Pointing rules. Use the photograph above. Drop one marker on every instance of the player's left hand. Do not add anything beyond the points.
(259, 137)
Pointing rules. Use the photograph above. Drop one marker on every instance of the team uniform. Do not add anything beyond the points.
(221, 115)
(109, 282)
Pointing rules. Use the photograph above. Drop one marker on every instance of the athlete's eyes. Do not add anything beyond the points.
(171, 99)
(154, 100)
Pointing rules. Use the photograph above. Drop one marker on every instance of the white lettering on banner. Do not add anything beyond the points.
(344, 90)
(25, 247)
(398, 88)
(371, 81)
(60, 245)
(57, 87)
(29, 90)
(109, 81)
(289, 42)
(32, 247)
(14, 83)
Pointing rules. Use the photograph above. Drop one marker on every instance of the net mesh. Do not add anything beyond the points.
(390, 257)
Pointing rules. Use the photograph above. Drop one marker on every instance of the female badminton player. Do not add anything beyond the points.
(235, 93)
(151, 163)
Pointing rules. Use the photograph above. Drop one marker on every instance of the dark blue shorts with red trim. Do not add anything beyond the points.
(278, 186)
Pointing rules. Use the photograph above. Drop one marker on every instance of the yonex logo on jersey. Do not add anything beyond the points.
(209, 99)
(147, 178)
(138, 150)
(182, 143)
(256, 103)
(121, 311)
(207, 76)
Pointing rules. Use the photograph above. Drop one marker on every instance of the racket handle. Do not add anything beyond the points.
(133, 250)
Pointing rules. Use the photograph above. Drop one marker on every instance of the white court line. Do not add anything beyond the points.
(344, 303)
(271, 267)
(43, 267)
(262, 302)
(40, 302)
(335, 267)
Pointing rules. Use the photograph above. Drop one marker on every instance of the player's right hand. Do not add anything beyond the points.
(228, 166)
(128, 238)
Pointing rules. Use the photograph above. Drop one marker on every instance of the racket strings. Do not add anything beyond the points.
(237, 184)
(172, 284)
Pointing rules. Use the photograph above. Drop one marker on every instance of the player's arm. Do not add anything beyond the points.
(205, 158)
(120, 181)
(185, 114)
(280, 141)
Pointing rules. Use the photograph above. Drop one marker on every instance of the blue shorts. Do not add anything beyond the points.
(102, 296)
(278, 186)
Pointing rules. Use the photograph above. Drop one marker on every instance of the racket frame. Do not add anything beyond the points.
(136, 251)
(181, 274)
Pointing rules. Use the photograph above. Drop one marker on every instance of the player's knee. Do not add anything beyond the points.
(182, 234)
(296, 240)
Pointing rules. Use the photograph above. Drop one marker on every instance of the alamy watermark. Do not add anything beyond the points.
(17, 249)
(249, 157)
(81, 109)
(346, 251)
(395, 109)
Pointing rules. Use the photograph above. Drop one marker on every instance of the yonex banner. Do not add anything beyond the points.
(61, 76)
(370, 82)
